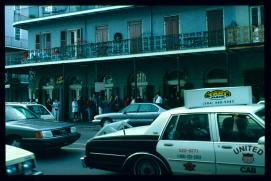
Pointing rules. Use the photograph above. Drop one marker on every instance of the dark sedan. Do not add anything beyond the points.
(25, 129)
(139, 113)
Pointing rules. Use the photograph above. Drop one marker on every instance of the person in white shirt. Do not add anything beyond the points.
(75, 108)
(158, 99)
(55, 108)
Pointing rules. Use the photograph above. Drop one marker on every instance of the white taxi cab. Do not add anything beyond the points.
(20, 162)
(218, 131)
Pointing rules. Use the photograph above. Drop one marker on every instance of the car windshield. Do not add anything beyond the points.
(14, 113)
(39, 110)
(261, 113)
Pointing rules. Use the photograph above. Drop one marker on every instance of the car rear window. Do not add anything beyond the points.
(148, 108)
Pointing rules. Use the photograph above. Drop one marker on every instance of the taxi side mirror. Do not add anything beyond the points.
(261, 140)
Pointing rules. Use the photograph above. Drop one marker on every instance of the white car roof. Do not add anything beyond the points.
(235, 108)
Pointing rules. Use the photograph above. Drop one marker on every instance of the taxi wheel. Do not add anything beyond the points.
(15, 141)
(146, 166)
(105, 122)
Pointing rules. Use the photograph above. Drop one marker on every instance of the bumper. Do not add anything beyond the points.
(50, 143)
(83, 163)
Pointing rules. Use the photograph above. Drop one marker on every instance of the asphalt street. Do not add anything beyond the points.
(66, 161)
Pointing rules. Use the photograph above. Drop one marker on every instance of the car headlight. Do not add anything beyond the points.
(24, 168)
(28, 167)
(73, 129)
(12, 170)
(47, 134)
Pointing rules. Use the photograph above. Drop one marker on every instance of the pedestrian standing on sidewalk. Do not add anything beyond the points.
(75, 110)
(55, 108)
(49, 104)
(80, 107)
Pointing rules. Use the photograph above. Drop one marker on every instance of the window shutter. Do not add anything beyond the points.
(63, 38)
(37, 41)
(48, 40)
(79, 36)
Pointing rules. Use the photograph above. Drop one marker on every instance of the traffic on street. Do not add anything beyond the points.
(134, 89)
(66, 161)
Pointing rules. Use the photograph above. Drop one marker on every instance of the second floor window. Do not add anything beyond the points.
(43, 41)
(257, 16)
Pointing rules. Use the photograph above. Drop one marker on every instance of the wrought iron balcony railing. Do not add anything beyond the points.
(11, 42)
(139, 45)
(32, 12)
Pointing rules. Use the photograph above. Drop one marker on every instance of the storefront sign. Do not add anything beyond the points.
(219, 96)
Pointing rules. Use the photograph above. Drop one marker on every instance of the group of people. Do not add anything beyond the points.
(86, 109)
(54, 108)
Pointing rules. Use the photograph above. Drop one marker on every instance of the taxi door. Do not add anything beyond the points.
(185, 153)
(236, 154)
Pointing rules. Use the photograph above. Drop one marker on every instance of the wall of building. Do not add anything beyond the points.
(117, 21)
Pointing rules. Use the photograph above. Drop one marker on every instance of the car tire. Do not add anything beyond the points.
(15, 141)
(147, 166)
(106, 121)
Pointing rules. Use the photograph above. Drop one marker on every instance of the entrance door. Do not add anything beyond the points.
(135, 34)
(74, 92)
(215, 28)
(172, 32)
(255, 78)
(102, 39)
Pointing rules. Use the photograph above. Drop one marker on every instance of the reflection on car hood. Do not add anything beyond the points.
(108, 115)
(140, 130)
(39, 124)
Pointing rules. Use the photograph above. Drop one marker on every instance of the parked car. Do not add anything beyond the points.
(20, 162)
(25, 129)
(228, 138)
(38, 109)
(143, 113)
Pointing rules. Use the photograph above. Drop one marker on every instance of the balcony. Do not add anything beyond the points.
(33, 12)
(151, 44)
(18, 44)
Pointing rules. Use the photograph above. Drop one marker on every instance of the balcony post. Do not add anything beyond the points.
(135, 79)
(178, 72)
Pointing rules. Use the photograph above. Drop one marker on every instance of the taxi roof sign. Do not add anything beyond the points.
(219, 96)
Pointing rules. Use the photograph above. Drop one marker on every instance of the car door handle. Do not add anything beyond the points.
(227, 147)
(168, 144)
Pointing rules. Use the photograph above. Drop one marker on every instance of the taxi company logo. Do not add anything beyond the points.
(248, 158)
(217, 94)
(189, 166)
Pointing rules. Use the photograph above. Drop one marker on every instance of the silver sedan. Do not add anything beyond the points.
(138, 114)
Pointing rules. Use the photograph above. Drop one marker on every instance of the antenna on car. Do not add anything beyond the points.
(123, 128)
